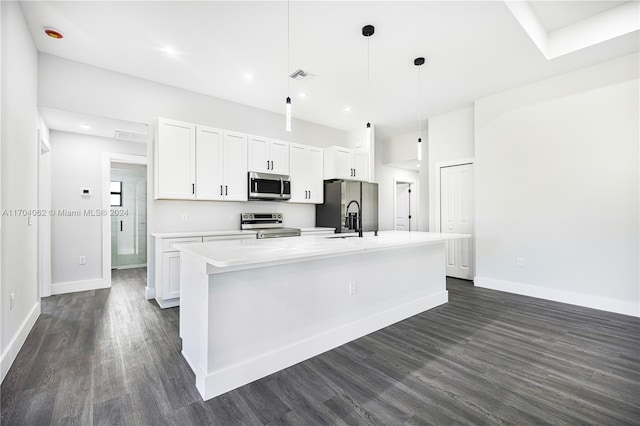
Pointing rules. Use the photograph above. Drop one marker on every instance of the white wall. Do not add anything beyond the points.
(451, 138)
(384, 176)
(558, 185)
(76, 164)
(19, 156)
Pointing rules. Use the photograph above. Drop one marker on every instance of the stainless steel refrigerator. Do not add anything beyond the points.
(337, 196)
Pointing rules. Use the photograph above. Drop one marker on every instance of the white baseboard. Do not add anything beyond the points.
(168, 303)
(573, 298)
(149, 293)
(11, 352)
(221, 381)
(73, 286)
(138, 265)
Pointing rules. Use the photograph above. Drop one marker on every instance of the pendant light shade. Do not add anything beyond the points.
(287, 105)
(287, 111)
(419, 62)
(368, 31)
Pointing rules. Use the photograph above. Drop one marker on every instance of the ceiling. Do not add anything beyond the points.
(473, 49)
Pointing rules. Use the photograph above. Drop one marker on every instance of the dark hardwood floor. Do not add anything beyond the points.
(109, 357)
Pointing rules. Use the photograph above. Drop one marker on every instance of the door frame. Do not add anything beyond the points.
(107, 159)
(44, 222)
(413, 207)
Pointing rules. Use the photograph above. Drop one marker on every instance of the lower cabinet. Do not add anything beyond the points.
(167, 265)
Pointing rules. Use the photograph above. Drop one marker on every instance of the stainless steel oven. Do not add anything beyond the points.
(266, 186)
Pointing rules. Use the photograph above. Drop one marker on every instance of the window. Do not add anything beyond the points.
(116, 194)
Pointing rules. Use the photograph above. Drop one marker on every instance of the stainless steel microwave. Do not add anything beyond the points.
(266, 186)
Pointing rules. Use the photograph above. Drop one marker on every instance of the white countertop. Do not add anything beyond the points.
(221, 233)
(254, 253)
(199, 233)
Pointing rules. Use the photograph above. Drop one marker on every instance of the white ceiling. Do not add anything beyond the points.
(473, 49)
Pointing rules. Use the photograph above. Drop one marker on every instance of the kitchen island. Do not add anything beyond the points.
(250, 308)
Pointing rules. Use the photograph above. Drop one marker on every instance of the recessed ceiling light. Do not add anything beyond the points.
(302, 95)
(170, 51)
(346, 109)
(53, 33)
(85, 126)
(248, 76)
(417, 165)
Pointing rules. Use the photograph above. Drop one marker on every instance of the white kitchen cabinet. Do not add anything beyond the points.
(306, 174)
(175, 155)
(360, 164)
(209, 158)
(268, 156)
(167, 264)
(196, 162)
(234, 167)
(346, 163)
(221, 168)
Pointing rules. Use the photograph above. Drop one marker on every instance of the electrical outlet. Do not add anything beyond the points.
(82, 260)
(185, 217)
(12, 301)
(520, 262)
(353, 288)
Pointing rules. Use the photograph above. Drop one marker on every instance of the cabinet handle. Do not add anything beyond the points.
(220, 189)
(226, 190)
(193, 188)
(354, 173)
(120, 226)
(267, 164)
(271, 164)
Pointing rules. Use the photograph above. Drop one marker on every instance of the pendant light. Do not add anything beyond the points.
(287, 105)
(368, 31)
(419, 62)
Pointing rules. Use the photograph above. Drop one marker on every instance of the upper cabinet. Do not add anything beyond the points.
(194, 162)
(221, 170)
(306, 174)
(175, 160)
(268, 156)
(345, 163)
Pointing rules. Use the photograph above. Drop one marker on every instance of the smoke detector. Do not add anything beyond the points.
(301, 75)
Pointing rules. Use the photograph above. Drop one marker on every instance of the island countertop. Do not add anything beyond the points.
(237, 254)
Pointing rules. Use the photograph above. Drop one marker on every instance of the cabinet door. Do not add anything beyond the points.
(175, 160)
(360, 165)
(235, 166)
(279, 157)
(171, 275)
(298, 174)
(315, 159)
(258, 155)
(342, 164)
(209, 183)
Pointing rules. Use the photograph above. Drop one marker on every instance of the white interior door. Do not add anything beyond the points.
(403, 206)
(456, 212)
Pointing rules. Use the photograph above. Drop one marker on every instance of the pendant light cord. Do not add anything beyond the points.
(419, 106)
(368, 81)
(288, 47)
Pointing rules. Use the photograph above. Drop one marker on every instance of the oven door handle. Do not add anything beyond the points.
(281, 187)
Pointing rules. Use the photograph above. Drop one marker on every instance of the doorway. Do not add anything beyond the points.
(403, 202)
(128, 205)
(456, 216)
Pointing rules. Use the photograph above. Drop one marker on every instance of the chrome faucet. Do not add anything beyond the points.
(359, 216)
